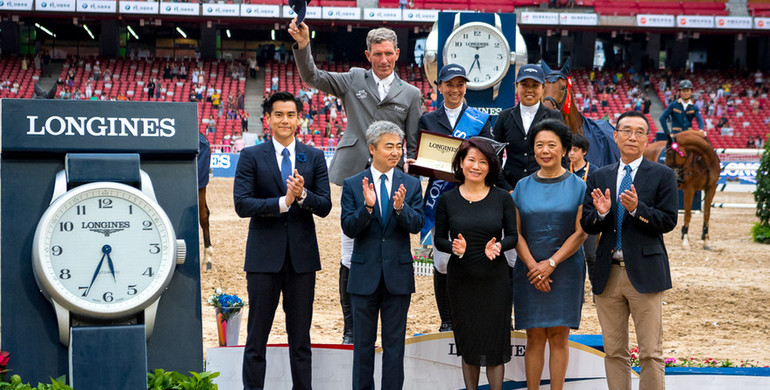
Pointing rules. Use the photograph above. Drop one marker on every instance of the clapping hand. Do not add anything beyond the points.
(602, 201)
(370, 197)
(398, 197)
(458, 245)
(492, 250)
(294, 186)
(629, 199)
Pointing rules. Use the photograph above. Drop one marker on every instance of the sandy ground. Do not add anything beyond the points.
(717, 308)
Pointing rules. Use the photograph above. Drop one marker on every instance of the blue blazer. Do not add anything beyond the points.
(681, 120)
(256, 191)
(644, 251)
(381, 251)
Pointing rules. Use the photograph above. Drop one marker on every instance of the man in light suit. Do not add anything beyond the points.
(381, 206)
(631, 203)
(368, 96)
(513, 124)
(280, 184)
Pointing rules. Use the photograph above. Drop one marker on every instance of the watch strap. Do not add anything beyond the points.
(82, 168)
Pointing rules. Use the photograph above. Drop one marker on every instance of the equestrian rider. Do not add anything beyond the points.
(682, 111)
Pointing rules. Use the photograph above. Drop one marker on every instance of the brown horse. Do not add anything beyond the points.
(693, 153)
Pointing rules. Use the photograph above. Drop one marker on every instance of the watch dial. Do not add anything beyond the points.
(106, 249)
(482, 50)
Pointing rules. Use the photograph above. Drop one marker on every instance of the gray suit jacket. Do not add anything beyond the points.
(358, 90)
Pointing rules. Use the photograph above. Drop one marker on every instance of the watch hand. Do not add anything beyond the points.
(475, 60)
(96, 273)
(478, 63)
(107, 249)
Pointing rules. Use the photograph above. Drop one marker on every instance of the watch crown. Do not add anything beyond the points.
(181, 251)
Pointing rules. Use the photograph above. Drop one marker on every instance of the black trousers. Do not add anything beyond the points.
(264, 290)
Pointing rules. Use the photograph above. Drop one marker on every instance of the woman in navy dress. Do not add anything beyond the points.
(549, 274)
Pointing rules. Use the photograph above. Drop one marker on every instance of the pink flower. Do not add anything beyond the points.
(4, 358)
(670, 360)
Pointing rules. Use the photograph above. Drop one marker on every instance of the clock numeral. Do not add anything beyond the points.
(84, 289)
(477, 33)
(132, 289)
(107, 297)
(453, 55)
(81, 209)
(56, 250)
(64, 274)
(154, 248)
(105, 203)
(489, 76)
(499, 56)
(476, 80)
(148, 272)
(497, 45)
(497, 67)
(66, 226)
(466, 36)
(130, 209)
(458, 44)
(147, 225)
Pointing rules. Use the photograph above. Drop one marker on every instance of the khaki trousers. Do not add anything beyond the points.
(613, 306)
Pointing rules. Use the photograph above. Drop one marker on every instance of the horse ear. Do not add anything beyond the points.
(567, 66)
(545, 67)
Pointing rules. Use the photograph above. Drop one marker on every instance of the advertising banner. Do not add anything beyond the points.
(734, 22)
(647, 20)
(547, 18)
(310, 12)
(191, 9)
(260, 11)
(16, 5)
(55, 5)
(393, 14)
(138, 7)
(690, 21)
(97, 6)
(213, 9)
(420, 15)
(575, 19)
(342, 13)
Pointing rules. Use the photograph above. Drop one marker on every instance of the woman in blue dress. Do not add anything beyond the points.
(549, 274)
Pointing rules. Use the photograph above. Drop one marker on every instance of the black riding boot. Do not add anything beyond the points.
(347, 313)
(440, 290)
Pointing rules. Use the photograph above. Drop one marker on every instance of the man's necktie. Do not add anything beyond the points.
(384, 199)
(625, 184)
(285, 165)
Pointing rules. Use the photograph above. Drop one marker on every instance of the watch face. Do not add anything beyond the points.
(482, 50)
(104, 250)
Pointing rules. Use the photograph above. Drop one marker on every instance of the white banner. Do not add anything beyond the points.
(214, 9)
(342, 13)
(260, 11)
(689, 21)
(16, 5)
(762, 23)
(310, 12)
(551, 18)
(167, 8)
(382, 14)
(55, 5)
(420, 15)
(733, 22)
(648, 20)
(99, 6)
(138, 7)
(575, 19)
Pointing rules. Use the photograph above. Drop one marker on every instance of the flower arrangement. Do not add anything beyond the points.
(4, 358)
(423, 262)
(692, 362)
(227, 304)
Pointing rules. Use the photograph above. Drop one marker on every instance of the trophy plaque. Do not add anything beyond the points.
(435, 153)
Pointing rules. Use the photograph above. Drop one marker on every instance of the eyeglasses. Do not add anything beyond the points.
(628, 133)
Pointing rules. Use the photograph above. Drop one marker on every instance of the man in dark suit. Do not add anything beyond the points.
(513, 124)
(457, 119)
(632, 269)
(280, 184)
(381, 206)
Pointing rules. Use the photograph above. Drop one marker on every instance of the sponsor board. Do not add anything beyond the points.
(393, 14)
(97, 6)
(16, 5)
(651, 20)
(168, 8)
(578, 19)
(310, 12)
(420, 15)
(223, 164)
(55, 5)
(260, 11)
(762, 23)
(138, 7)
(738, 172)
(733, 22)
(550, 18)
(691, 21)
(342, 13)
(214, 9)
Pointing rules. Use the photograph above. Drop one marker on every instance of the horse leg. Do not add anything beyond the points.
(688, 194)
(710, 192)
(203, 215)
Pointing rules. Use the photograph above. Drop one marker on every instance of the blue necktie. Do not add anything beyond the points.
(384, 199)
(625, 184)
(285, 165)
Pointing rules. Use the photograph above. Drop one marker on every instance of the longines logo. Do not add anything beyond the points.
(102, 126)
(106, 227)
(477, 45)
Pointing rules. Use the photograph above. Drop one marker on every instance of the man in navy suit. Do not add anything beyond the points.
(280, 184)
(381, 206)
(632, 269)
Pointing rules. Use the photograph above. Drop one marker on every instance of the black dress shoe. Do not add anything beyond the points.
(445, 327)
(347, 339)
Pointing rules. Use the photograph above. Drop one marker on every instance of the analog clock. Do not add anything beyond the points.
(483, 51)
(104, 250)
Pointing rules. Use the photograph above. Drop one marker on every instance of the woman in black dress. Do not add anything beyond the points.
(470, 221)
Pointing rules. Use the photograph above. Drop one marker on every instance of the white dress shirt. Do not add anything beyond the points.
(279, 159)
(388, 184)
(383, 86)
(528, 115)
(452, 114)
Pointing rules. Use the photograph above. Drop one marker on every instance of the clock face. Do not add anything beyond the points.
(482, 50)
(104, 250)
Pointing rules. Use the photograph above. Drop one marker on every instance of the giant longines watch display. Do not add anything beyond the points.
(104, 252)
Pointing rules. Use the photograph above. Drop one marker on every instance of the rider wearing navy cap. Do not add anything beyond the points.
(682, 111)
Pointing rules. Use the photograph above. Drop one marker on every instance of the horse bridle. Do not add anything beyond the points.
(552, 78)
